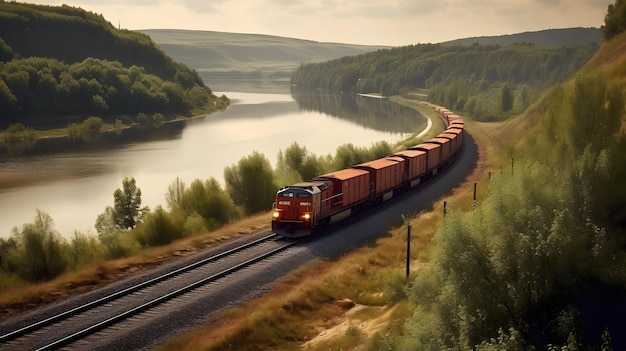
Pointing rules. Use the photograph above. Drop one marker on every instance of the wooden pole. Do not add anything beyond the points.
(408, 250)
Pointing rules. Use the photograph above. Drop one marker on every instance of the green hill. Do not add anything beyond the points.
(61, 63)
(470, 79)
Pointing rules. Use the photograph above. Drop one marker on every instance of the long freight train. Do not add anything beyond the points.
(300, 209)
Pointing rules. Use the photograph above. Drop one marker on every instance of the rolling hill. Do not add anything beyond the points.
(233, 55)
(548, 37)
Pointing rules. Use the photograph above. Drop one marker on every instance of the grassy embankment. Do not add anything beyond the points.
(333, 305)
(99, 274)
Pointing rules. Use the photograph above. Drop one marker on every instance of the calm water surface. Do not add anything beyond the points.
(74, 187)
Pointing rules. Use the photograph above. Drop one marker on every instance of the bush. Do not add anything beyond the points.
(85, 248)
(158, 228)
(250, 183)
(91, 125)
(41, 253)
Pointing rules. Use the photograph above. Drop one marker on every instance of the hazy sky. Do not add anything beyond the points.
(377, 22)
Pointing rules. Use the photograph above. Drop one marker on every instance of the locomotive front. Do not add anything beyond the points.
(297, 209)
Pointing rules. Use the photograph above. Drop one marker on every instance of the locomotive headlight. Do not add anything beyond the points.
(276, 214)
(306, 216)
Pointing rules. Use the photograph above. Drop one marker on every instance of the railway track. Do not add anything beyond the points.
(77, 323)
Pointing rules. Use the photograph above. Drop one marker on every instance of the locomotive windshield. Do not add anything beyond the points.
(294, 192)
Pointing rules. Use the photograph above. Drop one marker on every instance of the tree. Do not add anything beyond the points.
(175, 194)
(91, 125)
(41, 250)
(506, 101)
(127, 210)
(158, 229)
(615, 20)
(250, 183)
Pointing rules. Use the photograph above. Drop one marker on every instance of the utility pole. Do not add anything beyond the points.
(408, 249)
(474, 195)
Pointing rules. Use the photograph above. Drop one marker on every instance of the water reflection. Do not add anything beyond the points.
(374, 113)
(73, 180)
(91, 142)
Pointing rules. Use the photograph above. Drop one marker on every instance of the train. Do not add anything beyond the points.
(304, 208)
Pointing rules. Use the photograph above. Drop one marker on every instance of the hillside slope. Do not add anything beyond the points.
(609, 63)
(548, 37)
(71, 35)
(209, 51)
(61, 64)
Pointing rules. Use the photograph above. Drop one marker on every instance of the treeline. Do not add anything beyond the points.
(71, 34)
(469, 79)
(37, 252)
(50, 91)
(62, 64)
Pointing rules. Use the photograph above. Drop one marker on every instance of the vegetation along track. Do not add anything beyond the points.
(76, 323)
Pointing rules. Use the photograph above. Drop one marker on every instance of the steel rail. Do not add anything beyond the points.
(159, 300)
(66, 314)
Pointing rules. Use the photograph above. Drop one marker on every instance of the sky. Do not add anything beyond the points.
(366, 22)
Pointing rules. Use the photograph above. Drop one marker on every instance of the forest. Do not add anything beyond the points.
(489, 82)
(63, 64)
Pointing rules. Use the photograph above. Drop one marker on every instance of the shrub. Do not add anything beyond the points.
(158, 228)
(41, 251)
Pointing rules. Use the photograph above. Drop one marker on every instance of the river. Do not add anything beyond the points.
(74, 185)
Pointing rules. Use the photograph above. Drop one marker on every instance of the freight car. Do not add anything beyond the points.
(302, 208)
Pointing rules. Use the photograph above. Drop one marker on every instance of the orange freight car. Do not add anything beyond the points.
(350, 186)
(416, 165)
(433, 154)
(445, 148)
(385, 175)
(454, 141)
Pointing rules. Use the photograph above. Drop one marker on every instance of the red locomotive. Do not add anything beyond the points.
(303, 207)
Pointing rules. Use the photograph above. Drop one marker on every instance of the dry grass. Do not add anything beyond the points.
(26, 296)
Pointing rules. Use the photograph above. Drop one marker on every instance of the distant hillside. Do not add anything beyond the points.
(606, 69)
(471, 79)
(219, 54)
(548, 37)
(61, 63)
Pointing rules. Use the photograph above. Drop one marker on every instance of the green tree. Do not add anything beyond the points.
(506, 98)
(142, 119)
(41, 252)
(127, 210)
(85, 248)
(158, 228)
(295, 156)
(91, 125)
(109, 233)
(175, 193)
(615, 20)
(250, 183)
